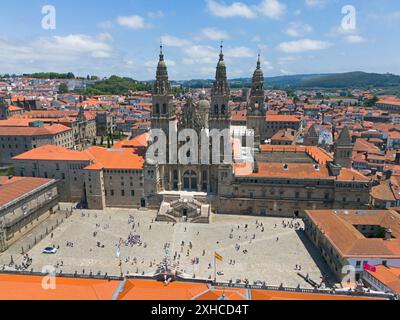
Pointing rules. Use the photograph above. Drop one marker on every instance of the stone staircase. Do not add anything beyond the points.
(184, 207)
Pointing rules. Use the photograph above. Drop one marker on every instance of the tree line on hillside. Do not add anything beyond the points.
(116, 86)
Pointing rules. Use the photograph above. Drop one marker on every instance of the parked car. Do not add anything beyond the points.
(50, 250)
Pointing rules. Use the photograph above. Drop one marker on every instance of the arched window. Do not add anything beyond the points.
(216, 109)
(164, 108)
(223, 109)
(157, 108)
(190, 181)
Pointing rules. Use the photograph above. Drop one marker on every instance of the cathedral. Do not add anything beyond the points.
(284, 181)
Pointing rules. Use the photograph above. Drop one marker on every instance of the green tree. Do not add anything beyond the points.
(108, 143)
(371, 102)
(10, 171)
(63, 88)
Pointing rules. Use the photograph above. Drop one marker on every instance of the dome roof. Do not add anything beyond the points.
(221, 63)
(204, 104)
(162, 64)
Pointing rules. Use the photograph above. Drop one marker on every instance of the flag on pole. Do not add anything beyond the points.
(218, 257)
(368, 267)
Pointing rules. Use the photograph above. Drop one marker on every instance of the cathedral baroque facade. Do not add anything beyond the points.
(277, 186)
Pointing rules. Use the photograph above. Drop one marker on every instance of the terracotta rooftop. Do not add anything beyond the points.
(287, 135)
(390, 277)
(319, 155)
(114, 159)
(11, 189)
(51, 152)
(338, 228)
(137, 142)
(154, 290)
(20, 287)
(281, 118)
(15, 287)
(46, 130)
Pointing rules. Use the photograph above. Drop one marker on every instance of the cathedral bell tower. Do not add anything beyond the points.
(343, 151)
(4, 113)
(220, 115)
(256, 106)
(163, 109)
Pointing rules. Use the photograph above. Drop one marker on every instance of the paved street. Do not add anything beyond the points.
(89, 241)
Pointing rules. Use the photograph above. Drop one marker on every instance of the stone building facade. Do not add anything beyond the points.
(17, 140)
(24, 203)
(278, 186)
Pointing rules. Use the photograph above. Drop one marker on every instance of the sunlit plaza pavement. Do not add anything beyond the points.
(270, 255)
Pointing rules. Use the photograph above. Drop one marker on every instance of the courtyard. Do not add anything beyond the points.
(130, 242)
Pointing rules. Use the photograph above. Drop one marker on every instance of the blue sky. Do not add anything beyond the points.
(122, 37)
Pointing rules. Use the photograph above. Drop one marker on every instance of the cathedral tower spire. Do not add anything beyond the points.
(162, 86)
(220, 92)
(257, 88)
(256, 110)
(343, 150)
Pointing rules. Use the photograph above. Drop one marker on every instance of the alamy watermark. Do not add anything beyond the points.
(49, 20)
(212, 147)
(49, 280)
(349, 21)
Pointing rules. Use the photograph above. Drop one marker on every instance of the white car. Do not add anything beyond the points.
(50, 250)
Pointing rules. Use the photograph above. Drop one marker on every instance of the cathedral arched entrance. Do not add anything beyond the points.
(190, 181)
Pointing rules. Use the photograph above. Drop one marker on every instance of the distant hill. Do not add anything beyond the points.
(352, 79)
(115, 86)
(327, 81)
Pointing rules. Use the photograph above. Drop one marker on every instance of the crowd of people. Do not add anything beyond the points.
(183, 257)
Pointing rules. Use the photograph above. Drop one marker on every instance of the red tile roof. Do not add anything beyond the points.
(11, 189)
(338, 227)
(46, 130)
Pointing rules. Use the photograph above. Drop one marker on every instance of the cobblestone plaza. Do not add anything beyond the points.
(88, 242)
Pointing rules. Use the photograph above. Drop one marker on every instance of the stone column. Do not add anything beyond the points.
(199, 179)
(179, 178)
(208, 180)
(171, 178)
(3, 241)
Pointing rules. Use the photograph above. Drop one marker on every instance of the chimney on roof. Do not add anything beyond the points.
(255, 168)
(388, 234)
(397, 161)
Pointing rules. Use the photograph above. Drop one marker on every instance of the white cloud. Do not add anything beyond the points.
(236, 9)
(155, 14)
(272, 9)
(303, 45)
(315, 3)
(133, 22)
(287, 59)
(214, 34)
(78, 44)
(239, 52)
(389, 17)
(199, 54)
(297, 29)
(57, 53)
(354, 38)
(171, 41)
(351, 36)
(105, 25)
